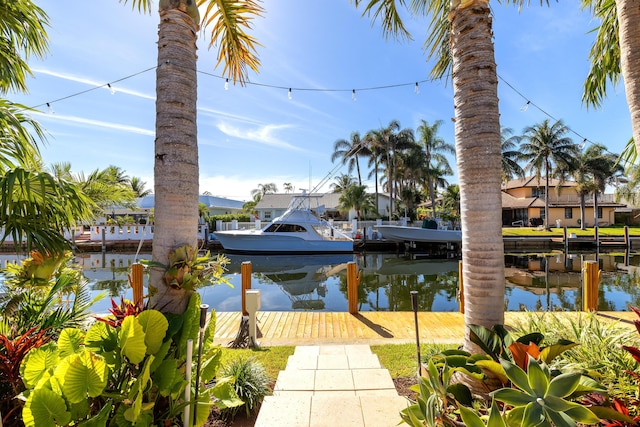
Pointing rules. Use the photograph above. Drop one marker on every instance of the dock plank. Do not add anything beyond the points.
(311, 328)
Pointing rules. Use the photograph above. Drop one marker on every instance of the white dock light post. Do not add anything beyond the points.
(252, 305)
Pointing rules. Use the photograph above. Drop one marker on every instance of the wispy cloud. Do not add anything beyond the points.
(264, 135)
(97, 123)
(94, 83)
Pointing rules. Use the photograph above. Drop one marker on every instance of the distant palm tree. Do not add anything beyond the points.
(546, 148)
(138, 187)
(436, 148)
(451, 203)
(603, 168)
(386, 143)
(356, 197)
(288, 187)
(348, 151)
(342, 182)
(263, 189)
(511, 155)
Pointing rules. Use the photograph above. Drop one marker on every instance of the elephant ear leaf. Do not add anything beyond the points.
(38, 364)
(81, 375)
(155, 327)
(132, 340)
(70, 341)
(44, 408)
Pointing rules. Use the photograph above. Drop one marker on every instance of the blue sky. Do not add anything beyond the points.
(322, 49)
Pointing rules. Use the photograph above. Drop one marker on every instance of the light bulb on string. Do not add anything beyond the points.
(289, 94)
(111, 89)
(353, 95)
(226, 84)
(50, 108)
(525, 106)
(417, 89)
(584, 142)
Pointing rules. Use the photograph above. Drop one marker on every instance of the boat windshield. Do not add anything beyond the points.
(285, 228)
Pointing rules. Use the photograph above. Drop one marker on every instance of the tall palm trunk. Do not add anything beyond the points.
(583, 226)
(478, 151)
(595, 208)
(547, 171)
(176, 150)
(628, 13)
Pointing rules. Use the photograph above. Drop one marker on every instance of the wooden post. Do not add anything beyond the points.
(596, 236)
(136, 281)
(461, 287)
(591, 280)
(245, 270)
(627, 241)
(565, 239)
(353, 281)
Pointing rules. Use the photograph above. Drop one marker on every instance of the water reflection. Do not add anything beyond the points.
(533, 281)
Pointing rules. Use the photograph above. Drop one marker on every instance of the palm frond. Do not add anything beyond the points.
(236, 48)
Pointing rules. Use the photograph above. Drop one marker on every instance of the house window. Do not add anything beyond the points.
(599, 212)
(267, 216)
(542, 213)
(537, 192)
(568, 213)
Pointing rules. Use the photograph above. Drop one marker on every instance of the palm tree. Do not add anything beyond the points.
(355, 197)
(457, 29)
(263, 189)
(347, 151)
(23, 34)
(546, 148)
(510, 155)
(342, 182)
(288, 187)
(615, 52)
(176, 170)
(35, 207)
(138, 187)
(451, 204)
(604, 169)
(435, 148)
(385, 143)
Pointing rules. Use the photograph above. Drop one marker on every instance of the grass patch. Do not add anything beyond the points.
(401, 359)
(559, 232)
(274, 359)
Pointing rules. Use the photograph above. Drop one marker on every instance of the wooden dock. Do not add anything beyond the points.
(373, 328)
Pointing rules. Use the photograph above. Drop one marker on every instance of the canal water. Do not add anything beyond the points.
(533, 281)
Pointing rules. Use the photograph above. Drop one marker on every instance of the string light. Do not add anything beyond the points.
(111, 89)
(416, 86)
(226, 84)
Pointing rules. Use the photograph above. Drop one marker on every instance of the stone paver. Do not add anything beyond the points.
(332, 385)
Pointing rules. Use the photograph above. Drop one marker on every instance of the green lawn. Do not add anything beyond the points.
(558, 232)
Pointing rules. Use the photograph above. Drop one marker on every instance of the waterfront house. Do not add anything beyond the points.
(523, 203)
(326, 205)
(215, 205)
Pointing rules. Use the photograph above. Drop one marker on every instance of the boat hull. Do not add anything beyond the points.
(401, 233)
(257, 243)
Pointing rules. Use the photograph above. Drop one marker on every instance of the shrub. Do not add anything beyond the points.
(251, 383)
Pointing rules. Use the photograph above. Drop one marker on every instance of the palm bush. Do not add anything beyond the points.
(251, 383)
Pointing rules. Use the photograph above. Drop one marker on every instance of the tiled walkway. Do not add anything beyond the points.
(332, 385)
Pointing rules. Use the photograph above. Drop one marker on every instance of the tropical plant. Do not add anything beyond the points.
(356, 197)
(342, 182)
(614, 53)
(455, 29)
(435, 148)
(138, 187)
(540, 400)
(176, 170)
(546, 150)
(250, 382)
(510, 155)
(130, 375)
(40, 297)
(188, 270)
(258, 193)
(348, 151)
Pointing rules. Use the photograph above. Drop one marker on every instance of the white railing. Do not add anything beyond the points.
(129, 232)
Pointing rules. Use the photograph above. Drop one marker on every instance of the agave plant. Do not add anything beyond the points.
(537, 399)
